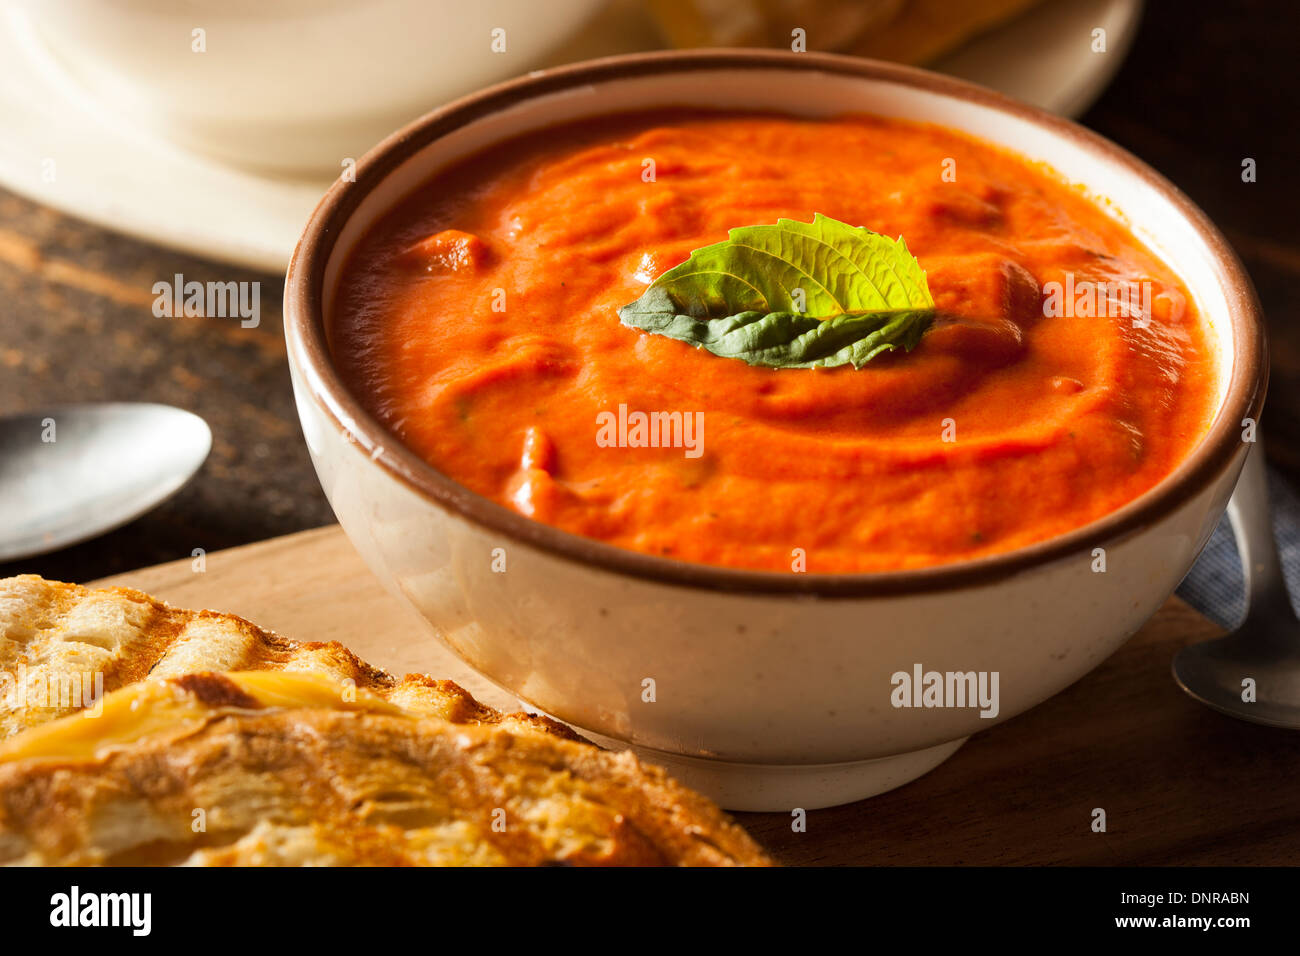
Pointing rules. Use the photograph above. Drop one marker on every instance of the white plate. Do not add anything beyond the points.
(1046, 58)
(58, 148)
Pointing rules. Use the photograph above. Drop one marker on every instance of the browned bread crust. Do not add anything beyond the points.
(409, 772)
(293, 786)
(57, 640)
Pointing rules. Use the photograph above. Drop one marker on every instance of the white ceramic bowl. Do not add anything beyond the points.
(291, 84)
(772, 690)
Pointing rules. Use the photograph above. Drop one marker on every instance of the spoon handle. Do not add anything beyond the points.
(1251, 517)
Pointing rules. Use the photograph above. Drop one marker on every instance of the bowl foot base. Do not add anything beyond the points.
(763, 788)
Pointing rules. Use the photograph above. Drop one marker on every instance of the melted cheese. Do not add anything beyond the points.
(156, 707)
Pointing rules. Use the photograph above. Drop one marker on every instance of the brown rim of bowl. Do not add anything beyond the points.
(305, 331)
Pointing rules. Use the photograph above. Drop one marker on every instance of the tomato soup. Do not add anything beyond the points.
(1066, 373)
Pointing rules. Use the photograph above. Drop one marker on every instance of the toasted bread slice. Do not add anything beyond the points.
(62, 645)
(286, 768)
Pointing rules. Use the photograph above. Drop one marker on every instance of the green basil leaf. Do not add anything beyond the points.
(862, 294)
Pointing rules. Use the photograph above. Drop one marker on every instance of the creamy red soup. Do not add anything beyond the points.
(479, 321)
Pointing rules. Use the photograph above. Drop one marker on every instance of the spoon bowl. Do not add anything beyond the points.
(72, 472)
(1213, 672)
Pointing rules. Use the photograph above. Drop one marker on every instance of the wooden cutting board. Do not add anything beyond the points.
(1179, 784)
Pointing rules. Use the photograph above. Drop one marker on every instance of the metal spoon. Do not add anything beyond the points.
(1265, 648)
(75, 471)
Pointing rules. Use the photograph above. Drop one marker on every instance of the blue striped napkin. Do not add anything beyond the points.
(1215, 585)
